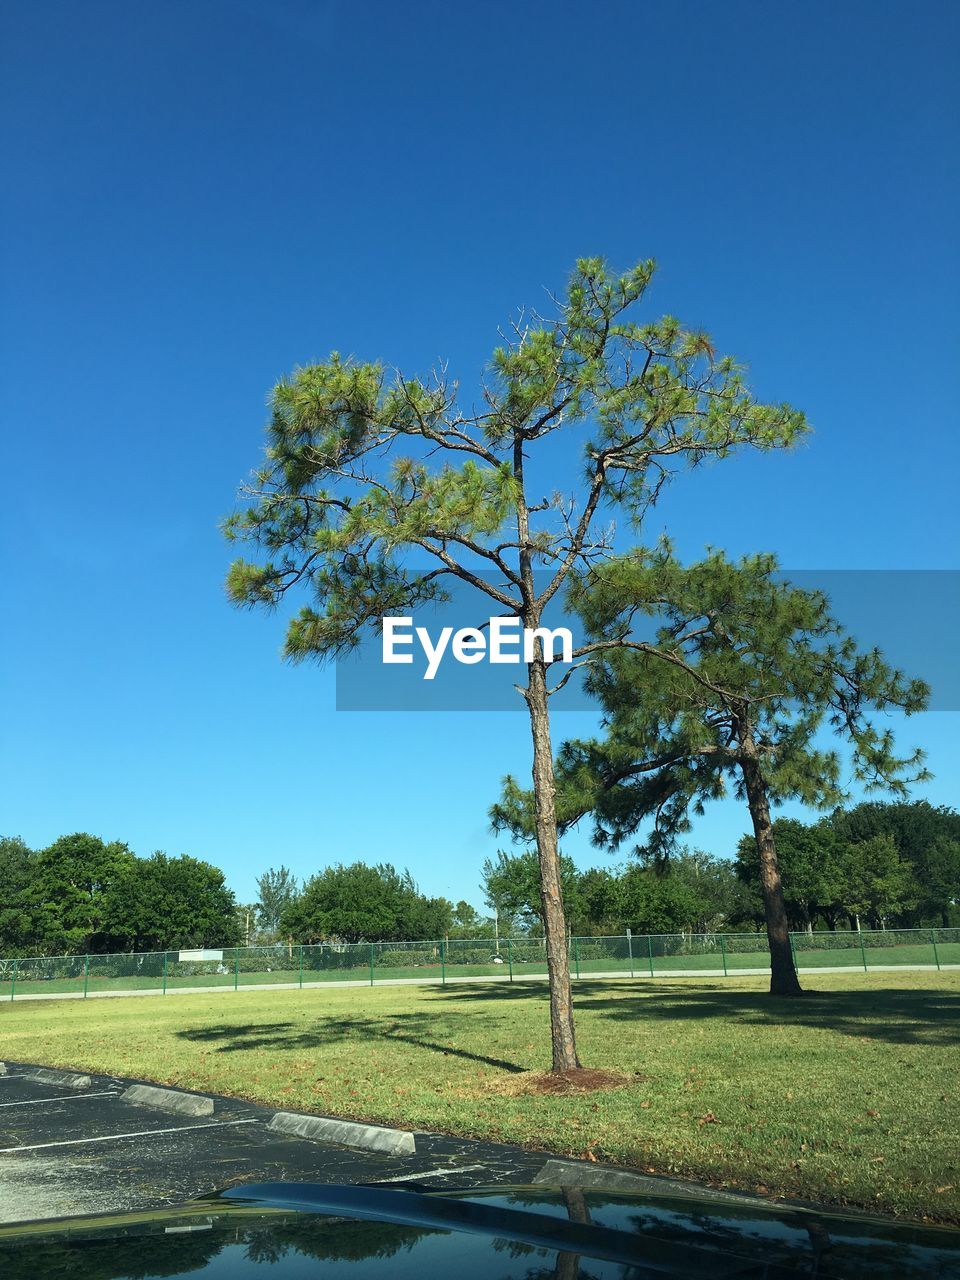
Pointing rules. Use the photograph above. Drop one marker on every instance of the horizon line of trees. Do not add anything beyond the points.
(83, 895)
(877, 865)
(886, 865)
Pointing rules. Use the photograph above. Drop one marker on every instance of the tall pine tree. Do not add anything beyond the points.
(380, 489)
(740, 677)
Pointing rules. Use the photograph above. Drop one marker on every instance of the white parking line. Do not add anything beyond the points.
(63, 1097)
(119, 1137)
(434, 1173)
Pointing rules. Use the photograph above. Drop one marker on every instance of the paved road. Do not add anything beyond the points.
(68, 1152)
(76, 1152)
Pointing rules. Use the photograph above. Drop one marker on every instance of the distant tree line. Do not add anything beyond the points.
(358, 903)
(894, 865)
(695, 892)
(878, 865)
(84, 895)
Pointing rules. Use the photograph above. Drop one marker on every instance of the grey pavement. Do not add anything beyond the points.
(67, 1151)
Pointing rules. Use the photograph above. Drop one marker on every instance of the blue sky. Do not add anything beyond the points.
(201, 195)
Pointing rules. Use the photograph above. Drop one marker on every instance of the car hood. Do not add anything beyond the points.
(267, 1230)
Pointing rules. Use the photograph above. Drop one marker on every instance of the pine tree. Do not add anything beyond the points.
(380, 489)
(742, 675)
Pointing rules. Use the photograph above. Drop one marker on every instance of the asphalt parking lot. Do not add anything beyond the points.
(75, 1146)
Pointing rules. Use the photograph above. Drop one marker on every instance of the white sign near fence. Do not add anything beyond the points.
(200, 955)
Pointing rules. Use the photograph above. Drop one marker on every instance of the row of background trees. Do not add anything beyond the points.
(876, 865)
(894, 865)
(83, 894)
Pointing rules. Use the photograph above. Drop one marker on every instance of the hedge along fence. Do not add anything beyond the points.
(637, 956)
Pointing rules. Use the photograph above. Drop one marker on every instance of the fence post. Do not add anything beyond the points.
(630, 950)
(863, 953)
(164, 973)
(793, 950)
(236, 969)
(443, 962)
(371, 963)
(86, 972)
(933, 939)
(510, 956)
(300, 948)
(650, 952)
(13, 980)
(723, 952)
(576, 955)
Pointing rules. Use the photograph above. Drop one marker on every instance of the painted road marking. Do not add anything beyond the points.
(119, 1137)
(434, 1173)
(64, 1097)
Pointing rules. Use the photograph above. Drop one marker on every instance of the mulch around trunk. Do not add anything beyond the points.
(578, 1080)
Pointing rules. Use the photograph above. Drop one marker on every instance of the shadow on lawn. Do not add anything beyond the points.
(888, 1014)
(408, 1028)
(892, 1014)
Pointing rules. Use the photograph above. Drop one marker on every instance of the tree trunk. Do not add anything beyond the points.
(568, 1264)
(783, 971)
(551, 896)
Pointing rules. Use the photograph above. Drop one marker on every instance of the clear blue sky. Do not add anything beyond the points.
(199, 195)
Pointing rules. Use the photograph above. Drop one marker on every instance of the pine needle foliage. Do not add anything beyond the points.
(377, 488)
(736, 649)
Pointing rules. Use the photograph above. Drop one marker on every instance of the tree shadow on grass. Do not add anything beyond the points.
(237, 1029)
(407, 1028)
(891, 1014)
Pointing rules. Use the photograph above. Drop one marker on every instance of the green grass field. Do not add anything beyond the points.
(848, 1096)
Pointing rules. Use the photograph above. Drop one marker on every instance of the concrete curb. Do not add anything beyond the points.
(370, 1137)
(186, 1104)
(568, 1173)
(69, 1079)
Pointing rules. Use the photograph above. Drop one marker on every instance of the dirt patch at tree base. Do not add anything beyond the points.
(578, 1080)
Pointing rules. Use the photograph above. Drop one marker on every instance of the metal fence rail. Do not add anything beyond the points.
(457, 960)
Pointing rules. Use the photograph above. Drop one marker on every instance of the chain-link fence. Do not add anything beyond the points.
(457, 960)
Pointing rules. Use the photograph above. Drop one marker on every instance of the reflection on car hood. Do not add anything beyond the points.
(267, 1230)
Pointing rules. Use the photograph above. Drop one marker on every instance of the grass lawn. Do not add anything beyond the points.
(848, 1096)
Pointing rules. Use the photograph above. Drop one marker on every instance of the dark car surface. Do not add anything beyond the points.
(269, 1230)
